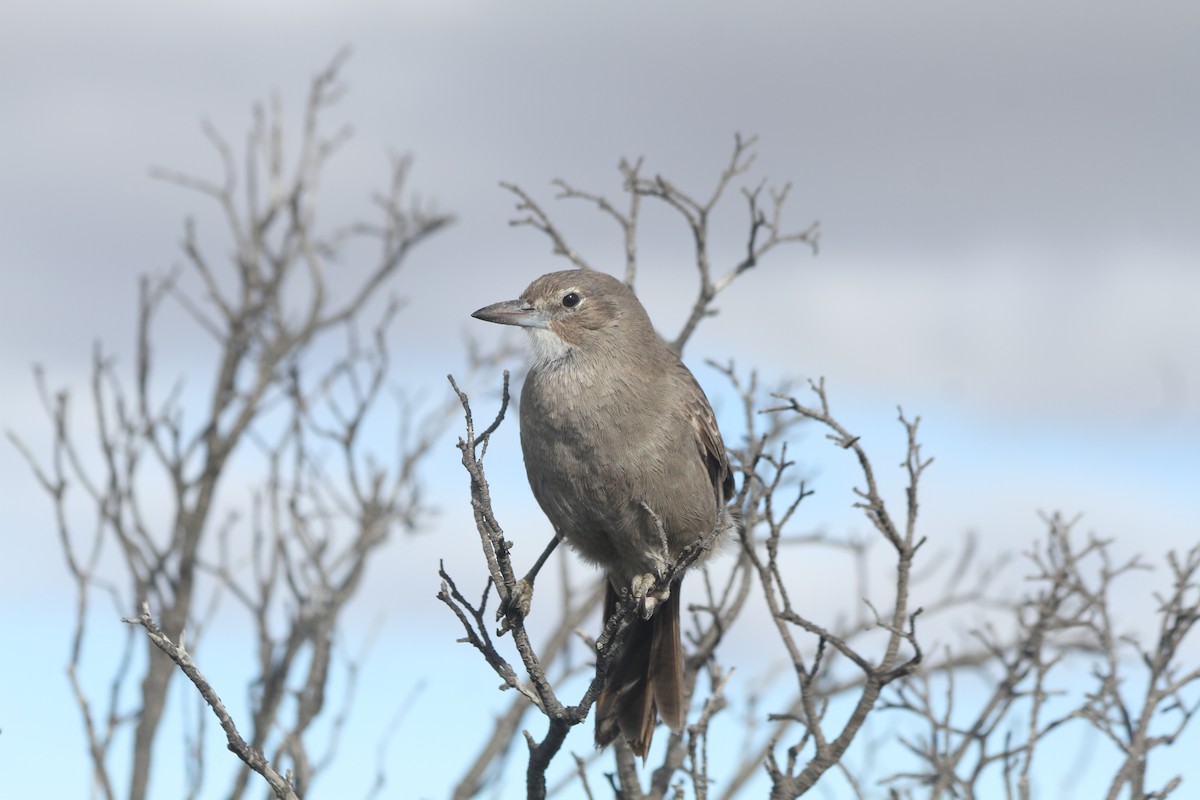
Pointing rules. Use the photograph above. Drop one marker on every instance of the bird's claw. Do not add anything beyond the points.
(516, 606)
(642, 589)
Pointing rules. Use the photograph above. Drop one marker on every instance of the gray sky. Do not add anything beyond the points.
(1008, 195)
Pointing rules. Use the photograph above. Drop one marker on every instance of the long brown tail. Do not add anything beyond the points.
(646, 679)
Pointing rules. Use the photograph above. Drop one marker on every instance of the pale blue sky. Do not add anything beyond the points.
(1008, 193)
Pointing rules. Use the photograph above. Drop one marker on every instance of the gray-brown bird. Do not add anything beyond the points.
(624, 456)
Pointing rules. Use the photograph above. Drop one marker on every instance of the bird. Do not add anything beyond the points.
(624, 456)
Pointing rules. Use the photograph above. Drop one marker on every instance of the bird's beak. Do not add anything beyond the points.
(513, 312)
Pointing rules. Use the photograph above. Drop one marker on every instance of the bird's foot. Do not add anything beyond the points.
(516, 606)
(642, 589)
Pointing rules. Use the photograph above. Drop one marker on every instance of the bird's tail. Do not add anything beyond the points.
(645, 680)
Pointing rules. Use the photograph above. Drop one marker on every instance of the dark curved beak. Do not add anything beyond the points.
(513, 312)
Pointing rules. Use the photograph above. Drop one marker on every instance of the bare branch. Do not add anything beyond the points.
(178, 654)
(765, 232)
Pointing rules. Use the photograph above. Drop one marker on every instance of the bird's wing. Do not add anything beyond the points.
(708, 440)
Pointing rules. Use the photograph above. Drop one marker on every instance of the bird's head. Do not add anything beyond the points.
(572, 311)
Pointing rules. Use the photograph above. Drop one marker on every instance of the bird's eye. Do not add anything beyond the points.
(571, 299)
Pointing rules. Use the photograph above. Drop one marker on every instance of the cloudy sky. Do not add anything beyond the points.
(1009, 198)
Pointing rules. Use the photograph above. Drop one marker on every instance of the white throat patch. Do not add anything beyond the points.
(547, 346)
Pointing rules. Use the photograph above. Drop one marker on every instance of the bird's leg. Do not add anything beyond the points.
(521, 596)
(642, 586)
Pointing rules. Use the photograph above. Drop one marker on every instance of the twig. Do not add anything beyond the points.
(177, 653)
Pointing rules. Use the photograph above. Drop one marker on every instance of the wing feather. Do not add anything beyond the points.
(708, 440)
